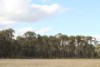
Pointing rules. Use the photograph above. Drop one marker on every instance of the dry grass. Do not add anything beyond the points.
(50, 63)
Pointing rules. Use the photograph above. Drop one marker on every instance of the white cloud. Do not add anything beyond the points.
(5, 21)
(38, 31)
(12, 11)
(97, 37)
(45, 0)
(43, 30)
(22, 31)
(47, 9)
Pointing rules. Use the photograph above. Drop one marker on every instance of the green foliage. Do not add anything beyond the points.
(32, 45)
(98, 50)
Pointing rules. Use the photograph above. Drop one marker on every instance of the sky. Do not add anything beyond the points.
(49, 17)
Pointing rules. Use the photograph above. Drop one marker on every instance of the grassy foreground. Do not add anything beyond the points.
(49, 63)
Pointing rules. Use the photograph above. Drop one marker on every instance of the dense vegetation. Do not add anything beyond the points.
(32, 45)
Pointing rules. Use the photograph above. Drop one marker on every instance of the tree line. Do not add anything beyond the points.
(32, 45)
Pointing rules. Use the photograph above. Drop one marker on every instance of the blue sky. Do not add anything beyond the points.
(71, 17)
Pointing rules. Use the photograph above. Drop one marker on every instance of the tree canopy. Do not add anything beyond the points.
(32, 45)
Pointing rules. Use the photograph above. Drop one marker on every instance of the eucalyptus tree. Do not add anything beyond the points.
(71, 47)
(32, 45)
(97, 50)
(6, 42)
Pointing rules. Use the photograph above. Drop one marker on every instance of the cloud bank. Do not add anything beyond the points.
(14, 11)
(41, 31)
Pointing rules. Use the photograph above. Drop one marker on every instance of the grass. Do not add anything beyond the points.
(49, 63)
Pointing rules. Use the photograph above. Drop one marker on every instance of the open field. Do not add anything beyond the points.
(50, 63)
